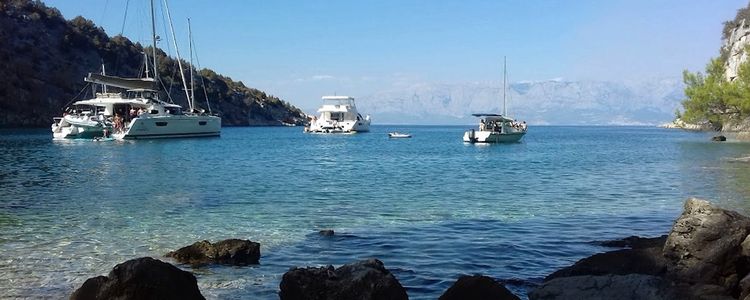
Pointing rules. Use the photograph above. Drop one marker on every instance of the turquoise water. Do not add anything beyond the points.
(431, 207)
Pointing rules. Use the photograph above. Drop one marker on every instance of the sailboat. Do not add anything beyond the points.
(496, 128)
(137, 112)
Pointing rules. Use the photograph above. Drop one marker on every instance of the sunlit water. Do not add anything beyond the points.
(431, 207)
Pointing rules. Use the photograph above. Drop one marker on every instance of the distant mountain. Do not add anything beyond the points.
(540, 102)
(45, 57)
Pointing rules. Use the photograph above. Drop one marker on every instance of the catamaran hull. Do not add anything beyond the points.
(476, 136)
(172, 127)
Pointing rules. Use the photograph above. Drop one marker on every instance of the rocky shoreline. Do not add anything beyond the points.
(734, 130)
(706, 255)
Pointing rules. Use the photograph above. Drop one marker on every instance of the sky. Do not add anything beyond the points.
(302, 50)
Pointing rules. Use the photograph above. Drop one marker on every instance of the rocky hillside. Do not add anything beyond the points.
(44, 59)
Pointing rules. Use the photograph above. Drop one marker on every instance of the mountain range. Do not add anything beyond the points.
(558, 102)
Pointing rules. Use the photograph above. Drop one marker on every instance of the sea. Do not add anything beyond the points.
(431, 207)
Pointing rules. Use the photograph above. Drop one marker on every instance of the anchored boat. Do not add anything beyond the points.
(496, 128)
(338, 114)
(137, 112)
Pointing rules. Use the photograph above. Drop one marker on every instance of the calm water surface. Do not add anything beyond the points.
(431, 207)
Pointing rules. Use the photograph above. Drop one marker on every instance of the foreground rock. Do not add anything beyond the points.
(705, 256)
(142, 278)
(477, 287)
(704, 246)
(231, 252)
(367, 279)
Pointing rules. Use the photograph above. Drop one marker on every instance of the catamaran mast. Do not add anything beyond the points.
(192, 81)
(505, 74)
(153, 35)
(177, 53)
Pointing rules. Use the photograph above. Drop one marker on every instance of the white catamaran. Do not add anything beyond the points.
(136, 113)
(496, 128)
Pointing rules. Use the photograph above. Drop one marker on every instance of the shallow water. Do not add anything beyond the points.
(430, 207)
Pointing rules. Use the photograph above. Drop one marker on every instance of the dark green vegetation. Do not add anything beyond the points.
(711, 96)
(44, 59)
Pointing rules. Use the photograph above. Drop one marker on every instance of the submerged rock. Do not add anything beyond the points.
(326, 232)
(477, 287)
(367, 279)
(142, 278)
(636, 242)
(230, 252)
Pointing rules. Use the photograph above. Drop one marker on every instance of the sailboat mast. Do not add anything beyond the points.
(153, 35)
(505, 74)
(192, 81)
(177, 53)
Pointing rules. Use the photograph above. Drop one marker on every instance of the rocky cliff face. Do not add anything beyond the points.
(45, 57)
(733, 47)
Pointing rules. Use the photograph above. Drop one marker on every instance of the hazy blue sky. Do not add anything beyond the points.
(300, 50)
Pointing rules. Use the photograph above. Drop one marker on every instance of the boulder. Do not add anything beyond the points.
(230, 252)
(704, 246)
(477, 287)
(367, 279)
(719, 138)
(142, 278)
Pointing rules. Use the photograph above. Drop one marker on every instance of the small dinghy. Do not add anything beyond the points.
(398, 135)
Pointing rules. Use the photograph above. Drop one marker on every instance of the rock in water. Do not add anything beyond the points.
(326, 232)
(230, 252)
(477, 287)
(610, 287)
(719, 138)
(142, 278)
(362, 280)
(704, 245)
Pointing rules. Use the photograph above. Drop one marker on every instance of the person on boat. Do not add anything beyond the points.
(118, 122)
(523, 125)
(481, 125)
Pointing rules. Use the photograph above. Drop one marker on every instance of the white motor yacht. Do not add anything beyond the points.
(496, 128)
(338, 115)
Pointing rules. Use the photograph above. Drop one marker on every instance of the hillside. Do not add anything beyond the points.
(46, 57)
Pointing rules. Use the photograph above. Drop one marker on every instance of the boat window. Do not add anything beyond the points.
(154, 112)
(201, 123)
(161, 123)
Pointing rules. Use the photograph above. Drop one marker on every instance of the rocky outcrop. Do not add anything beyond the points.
(230, 252)
(704, 246)
(704, 256)
(680, 124)
(45, 58)
(367, 279)
(477, 287)
(142, 278)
